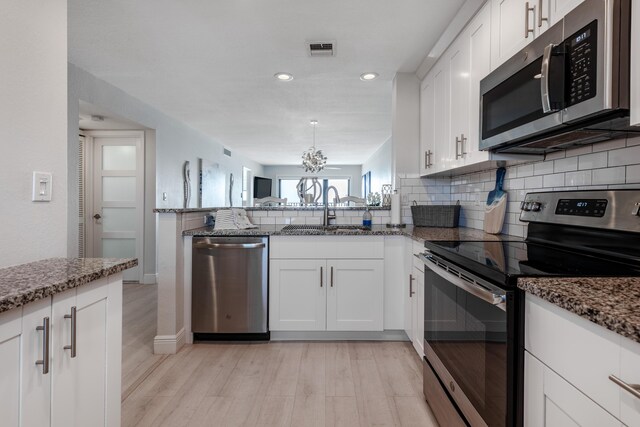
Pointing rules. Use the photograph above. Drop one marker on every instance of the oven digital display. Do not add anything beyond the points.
(582, 207)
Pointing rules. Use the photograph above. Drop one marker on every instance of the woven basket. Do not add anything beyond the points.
(435, 215)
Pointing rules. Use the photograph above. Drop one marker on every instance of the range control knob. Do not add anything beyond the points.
(525, 206)
(536, 206)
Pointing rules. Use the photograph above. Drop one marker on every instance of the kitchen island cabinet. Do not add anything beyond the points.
(61, 342)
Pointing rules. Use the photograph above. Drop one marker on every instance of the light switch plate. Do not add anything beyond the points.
(42, 182)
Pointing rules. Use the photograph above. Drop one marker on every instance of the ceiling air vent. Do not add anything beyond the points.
(227, 152)
(321, 48)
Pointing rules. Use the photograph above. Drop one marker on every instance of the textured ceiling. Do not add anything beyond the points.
(211, 63)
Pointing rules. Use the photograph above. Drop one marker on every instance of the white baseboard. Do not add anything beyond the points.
(150, 279)
(387, 335)
(168, 344)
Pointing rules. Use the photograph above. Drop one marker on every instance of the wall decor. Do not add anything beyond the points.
(211, 184)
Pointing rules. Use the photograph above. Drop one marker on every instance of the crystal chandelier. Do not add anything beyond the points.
(313, 160)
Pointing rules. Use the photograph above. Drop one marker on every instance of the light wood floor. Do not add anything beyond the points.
(138, 330)
(283, 384)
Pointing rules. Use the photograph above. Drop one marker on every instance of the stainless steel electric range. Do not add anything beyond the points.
(474, 316)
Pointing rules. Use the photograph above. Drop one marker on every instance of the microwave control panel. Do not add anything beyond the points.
(582, 60)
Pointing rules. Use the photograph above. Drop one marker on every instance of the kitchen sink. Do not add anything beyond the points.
(321, 229)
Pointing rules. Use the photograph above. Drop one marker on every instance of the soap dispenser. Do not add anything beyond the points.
(366, 218)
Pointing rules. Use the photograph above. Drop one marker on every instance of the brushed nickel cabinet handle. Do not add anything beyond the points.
(634, 389)
(528, 9)
(45, 328)
(540, 18)
(430, 162)
(463, 139)
(426, 159)
(321, 278)
(411, 279)
(73, 318)
(458, 149)
(332, 276)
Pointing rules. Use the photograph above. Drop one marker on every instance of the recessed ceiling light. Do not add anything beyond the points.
(368, 76)
(283, 77)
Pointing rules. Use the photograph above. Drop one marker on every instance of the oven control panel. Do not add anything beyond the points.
(608, 209)
(582, 207)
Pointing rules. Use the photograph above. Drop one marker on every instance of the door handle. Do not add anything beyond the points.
(634, 389)
(73, 318)
(229, 245)
(332, 276)
(411, 279)
(528, 9)
(97, 216)
(321, 278)
(462, 141)
(458, 155)
(45, 345)
(540, 18)
(544, 79)
(429, 154)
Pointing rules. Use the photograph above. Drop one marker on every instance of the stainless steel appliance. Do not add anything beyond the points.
(474, 317)
(229, 288)
(569, 86)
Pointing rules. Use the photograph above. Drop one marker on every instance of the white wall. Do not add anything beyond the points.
(353, 172)
(169, 143)
(33, 134)
(380, 165)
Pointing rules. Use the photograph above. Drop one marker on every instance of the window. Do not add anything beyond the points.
(287, 188)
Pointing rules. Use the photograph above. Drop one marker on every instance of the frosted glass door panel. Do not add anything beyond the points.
(119, 188)
(119, 157)
(119, 248)
(119, 219)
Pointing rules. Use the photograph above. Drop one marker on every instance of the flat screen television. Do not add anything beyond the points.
(261, 187)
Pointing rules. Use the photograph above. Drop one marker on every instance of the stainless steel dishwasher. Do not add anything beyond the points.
(229, 288)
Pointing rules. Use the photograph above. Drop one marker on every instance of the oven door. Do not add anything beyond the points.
(469, 342)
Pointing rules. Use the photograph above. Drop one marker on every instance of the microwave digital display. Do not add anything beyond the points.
(581, 37)
(582, 207)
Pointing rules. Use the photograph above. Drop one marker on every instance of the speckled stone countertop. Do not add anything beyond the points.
(274, 208)
(419, 234)
(22, 284)
(611, 302)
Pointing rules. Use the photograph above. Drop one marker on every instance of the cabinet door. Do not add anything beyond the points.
(558, 9)
(459, 98)
(550, 401)
(442, 148)
(297, 295)
(509, 24)
(479, 37)
(407, 290)
(427, 125)
(635, 63)
(35, 395)
(630, 374)
(10, 343)
(63, 388)
(355, 295)
(418, 301)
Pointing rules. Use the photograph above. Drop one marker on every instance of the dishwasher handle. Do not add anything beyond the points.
(229, 245)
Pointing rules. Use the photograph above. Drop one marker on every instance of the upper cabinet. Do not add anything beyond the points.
(635, 63)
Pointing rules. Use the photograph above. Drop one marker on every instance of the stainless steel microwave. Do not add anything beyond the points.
(569, 86)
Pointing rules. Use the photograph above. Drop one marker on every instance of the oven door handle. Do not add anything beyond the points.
(498, 300)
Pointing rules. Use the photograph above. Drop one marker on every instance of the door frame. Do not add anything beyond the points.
(90, 196)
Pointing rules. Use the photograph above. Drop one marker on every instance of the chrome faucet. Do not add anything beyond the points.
(327, 217)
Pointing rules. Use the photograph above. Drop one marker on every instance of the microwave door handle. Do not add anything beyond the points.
(472, 288)
(544, 79)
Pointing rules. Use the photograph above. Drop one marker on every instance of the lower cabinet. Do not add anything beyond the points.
(326, 295)
(61, 358)
(414, 300)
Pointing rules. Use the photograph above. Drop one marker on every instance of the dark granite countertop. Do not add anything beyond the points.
(611, 302)
(273, 208)
(419, 234)
(22, 284)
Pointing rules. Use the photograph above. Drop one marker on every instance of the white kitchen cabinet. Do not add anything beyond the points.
(427, 124)
(355, 295)
(297, 295)
(414, 297)
(514, 24)
(559, 8)
(443, 151)
(630, 374)
(635, 63)
(323, 293)
(459, 73)
(551, 401)
(75, 391)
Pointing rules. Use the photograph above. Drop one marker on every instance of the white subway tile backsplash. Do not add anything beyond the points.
(533, 182)
(553, 180)
(608, 145)
(543, 168)
(578, 151)
(631, 141)
(555, 155)
(592, 161)
(565, 165)
(609, 176)
(625, 156)
(578, 178)
(633, 174)
(524, 170)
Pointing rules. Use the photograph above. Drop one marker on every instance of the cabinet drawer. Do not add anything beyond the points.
(328, 247)
(630, 374)
(580, 351)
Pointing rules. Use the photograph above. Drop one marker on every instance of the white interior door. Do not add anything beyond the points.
(118, 197)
